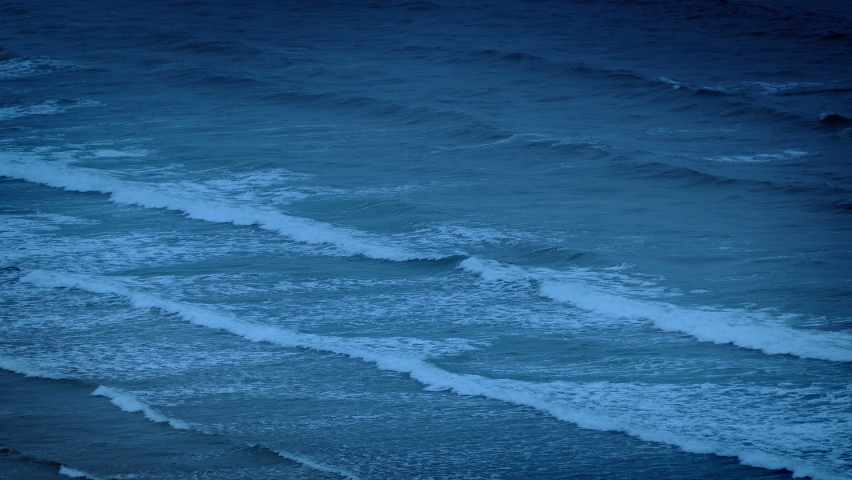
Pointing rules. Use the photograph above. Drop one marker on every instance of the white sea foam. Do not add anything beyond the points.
(50, 107)
(675, 84)
(406, 347)
(46, 108)
(344, 240)
(760, 157)
(29, 67)
(123, 153)
(39, 222)
(598, 406)
(449, 233)
(747, 329)
(316, 465)
(769, 88)
(529, 138)
(130, 403)
(26, 368)
(687, 131)
(262, 187)
(74, 473)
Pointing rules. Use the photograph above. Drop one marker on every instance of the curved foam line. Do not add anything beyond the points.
(315, 465)
(509, 391)
(304, 230)
(129, 403)
(707, 325)
(20, 367)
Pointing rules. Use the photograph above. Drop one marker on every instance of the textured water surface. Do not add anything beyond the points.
(425, 240)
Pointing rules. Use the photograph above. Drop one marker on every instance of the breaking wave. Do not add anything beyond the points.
(344, 240)
(746, 329)
(130, 403)
(538, 396)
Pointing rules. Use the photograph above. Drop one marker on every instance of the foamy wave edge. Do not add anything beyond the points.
(75, 473)
(739, 328)
(27, 370)
(63, 469)
(131, 404)
(434, 378)
(304, 230)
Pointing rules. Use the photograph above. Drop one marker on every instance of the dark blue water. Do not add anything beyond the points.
(426, 240)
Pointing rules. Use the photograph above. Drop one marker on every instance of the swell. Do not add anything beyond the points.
(344, 240)
(452, 124)
(745, 329)
(214, 79)
(565, 146)
(127, 402)
(727, 101)
(814, 196)
(665, 171)
(434, 378)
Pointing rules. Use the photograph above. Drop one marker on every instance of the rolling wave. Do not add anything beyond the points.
(747, 330)
(543, 397)
(815, 194)
(744, 329)
(752, 330)
(344, 240)
(130, 403)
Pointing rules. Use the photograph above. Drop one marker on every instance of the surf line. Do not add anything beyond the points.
(434, 378)
(129, 403)
(345, 240)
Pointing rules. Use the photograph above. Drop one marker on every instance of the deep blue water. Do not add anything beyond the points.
(426, 240)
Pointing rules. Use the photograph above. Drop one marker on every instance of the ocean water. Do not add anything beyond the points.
(426, 240)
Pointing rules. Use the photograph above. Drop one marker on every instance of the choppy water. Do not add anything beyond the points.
(425, 240)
